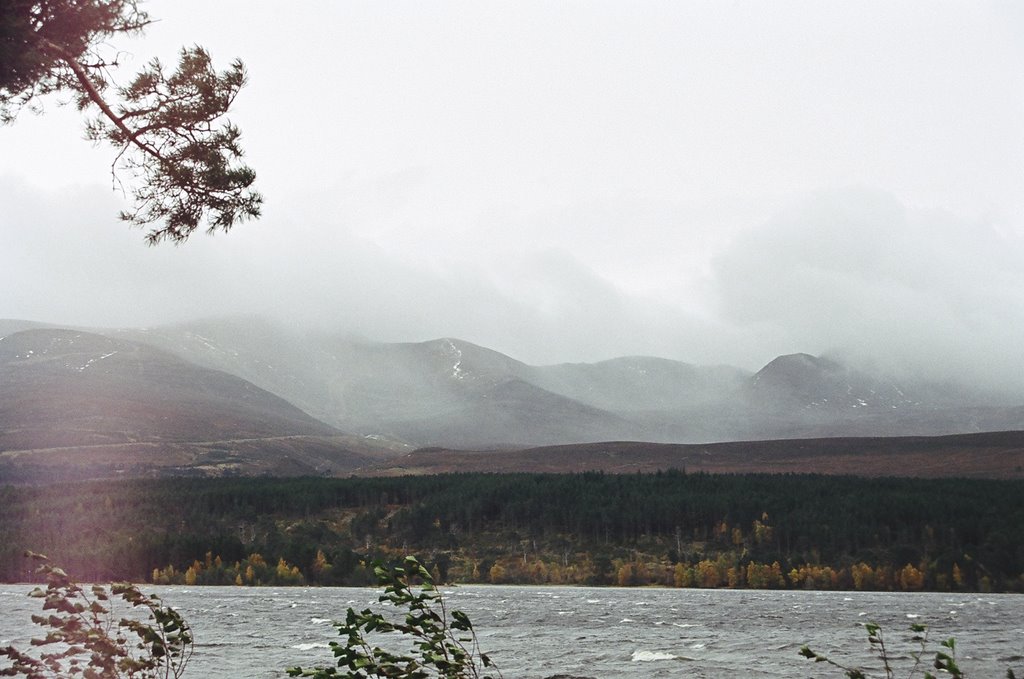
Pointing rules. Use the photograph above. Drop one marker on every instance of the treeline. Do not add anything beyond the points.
(669, 528)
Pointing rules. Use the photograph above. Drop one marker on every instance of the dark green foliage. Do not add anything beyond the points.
(444, 643)
(169, 131)
(943, 660)
(85, 636)
(126, 528)
(168, 134)
(30, 67)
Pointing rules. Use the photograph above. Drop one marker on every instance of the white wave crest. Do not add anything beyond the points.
(309, 647)
(652, 656)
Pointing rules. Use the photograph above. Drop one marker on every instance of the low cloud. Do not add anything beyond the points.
(69, 261)
(856, 272)
(850, 272)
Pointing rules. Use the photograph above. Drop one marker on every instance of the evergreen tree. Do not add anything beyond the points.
(169, 130)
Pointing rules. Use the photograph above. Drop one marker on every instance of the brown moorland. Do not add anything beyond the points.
(995, 455)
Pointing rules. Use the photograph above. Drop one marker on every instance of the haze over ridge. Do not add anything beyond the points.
(578, 183)
(452, 393)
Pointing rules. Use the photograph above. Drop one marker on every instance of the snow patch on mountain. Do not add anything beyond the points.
(457, 370)
(93, 360)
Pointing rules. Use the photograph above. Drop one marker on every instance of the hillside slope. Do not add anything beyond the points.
(64, 387)
(72, 400)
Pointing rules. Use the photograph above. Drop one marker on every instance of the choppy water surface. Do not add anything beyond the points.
(534, 632)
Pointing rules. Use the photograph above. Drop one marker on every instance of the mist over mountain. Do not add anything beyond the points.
(241, 395)
(449, 392)
(443, 392)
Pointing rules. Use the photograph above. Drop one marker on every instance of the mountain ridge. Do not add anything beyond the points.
(450, 393)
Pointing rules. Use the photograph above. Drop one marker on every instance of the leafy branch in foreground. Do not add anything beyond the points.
(85, 637)
(944, 662)
(444, 642)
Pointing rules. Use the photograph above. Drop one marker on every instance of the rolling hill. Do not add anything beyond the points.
(131, 404)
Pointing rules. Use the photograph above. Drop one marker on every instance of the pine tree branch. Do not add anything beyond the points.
(95, 97)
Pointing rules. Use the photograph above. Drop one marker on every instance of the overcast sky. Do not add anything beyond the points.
(706, 181)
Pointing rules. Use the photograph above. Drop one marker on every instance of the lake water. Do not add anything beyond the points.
(534, 632)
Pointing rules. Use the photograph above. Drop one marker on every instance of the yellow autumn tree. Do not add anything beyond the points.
(497, 574)
(625, 575)
(911, 579)
(958, 576)
(682, 575)
(863, 576)
(707, 574)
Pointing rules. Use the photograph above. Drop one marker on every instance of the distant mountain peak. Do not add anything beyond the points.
(794, 368)
(451, 349)
(463, 361)
(819, 382)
